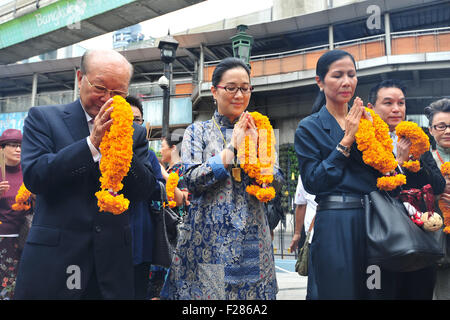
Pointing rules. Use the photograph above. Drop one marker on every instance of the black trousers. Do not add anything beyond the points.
(414, 285)
(92, 291)
(337, 255)
(141, 280)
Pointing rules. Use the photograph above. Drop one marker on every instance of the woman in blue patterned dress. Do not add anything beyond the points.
(224, 250)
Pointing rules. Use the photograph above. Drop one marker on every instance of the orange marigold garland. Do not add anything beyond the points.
(445, 170)
(258, 160)
(419, 140)
(22, 197)
(374, 142)
(117, 151)
(171, 184)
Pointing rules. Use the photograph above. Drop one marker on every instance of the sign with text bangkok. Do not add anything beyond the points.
(61, 14)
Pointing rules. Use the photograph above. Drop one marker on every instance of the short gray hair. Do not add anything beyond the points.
(442, 105)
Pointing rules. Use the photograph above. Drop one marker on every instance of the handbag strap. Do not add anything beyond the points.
(184, 205)
(308, 234)
(311, 226)
(162, 187)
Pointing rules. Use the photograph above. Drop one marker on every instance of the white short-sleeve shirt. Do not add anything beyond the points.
(303, 197)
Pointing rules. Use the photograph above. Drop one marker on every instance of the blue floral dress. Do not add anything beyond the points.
(225, 249)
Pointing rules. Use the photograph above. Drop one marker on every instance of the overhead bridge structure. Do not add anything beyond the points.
(29, 28)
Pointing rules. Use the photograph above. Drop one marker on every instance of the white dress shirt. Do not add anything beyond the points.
(96, 155)
(303, 197)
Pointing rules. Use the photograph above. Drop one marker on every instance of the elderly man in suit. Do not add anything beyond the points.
(73, 251)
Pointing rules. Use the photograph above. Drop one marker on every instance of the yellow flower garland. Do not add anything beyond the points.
(117, 151)
(374, 142)
(171, 184)
(445, 170)
(259, 166)
(22, 197)
(419, 140)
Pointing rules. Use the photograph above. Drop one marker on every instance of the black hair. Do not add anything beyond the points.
(225, 65)
(388, 83)
(135, 102)
(442, 105)
(174, 139)
(322, 67)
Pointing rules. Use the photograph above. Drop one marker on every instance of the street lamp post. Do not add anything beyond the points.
(242, 44)
(168, 47)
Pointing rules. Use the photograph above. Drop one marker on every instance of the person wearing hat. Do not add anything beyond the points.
(10, 220)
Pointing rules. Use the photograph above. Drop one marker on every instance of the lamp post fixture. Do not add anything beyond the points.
(168, 47)
(242, 44)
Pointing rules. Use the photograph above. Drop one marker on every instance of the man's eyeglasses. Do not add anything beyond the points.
(234, 89)
(441, 126)
(138, 120)
(14, 145)
(102, 90)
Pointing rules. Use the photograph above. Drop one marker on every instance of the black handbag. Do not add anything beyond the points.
(166, 223)
(443, 239)
(274, 212)
(394, 242)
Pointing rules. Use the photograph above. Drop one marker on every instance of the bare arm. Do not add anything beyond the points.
(300, 211)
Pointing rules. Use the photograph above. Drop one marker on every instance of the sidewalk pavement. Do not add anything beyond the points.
(291, 286)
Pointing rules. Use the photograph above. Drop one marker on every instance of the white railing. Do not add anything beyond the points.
(308, 49)
(16, 8)
(433, 31)
(276, 55)
(288, 53)
(376, 38)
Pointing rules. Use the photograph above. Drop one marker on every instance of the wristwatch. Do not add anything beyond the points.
(232, 148)
(343, 149)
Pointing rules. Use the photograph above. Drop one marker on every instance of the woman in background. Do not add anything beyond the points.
(170, 154)
(10, 221)
(438, 114)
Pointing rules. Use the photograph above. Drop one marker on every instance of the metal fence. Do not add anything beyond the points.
(283, 234)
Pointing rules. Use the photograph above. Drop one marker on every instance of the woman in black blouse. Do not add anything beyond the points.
(332, 168)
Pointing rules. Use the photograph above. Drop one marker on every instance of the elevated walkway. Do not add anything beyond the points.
(409, 50)
(30, 28)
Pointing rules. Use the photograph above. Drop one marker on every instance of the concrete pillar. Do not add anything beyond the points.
(75, 86)
(202, 65)
(195, 74)
(331, 37)
(387, 33)
(34, 89)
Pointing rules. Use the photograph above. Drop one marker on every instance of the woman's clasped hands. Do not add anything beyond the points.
(352, 121)
(244, 127)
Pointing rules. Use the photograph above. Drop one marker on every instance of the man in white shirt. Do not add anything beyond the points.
(304, 213)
